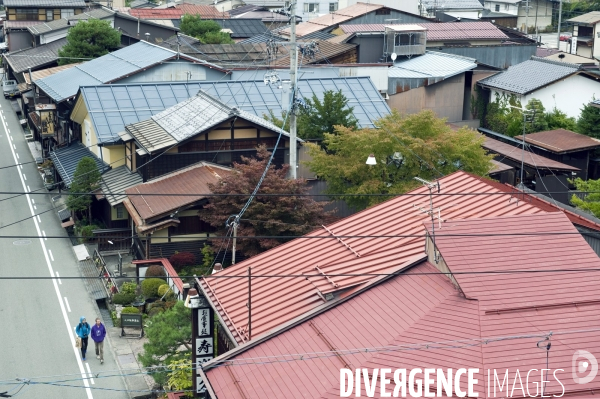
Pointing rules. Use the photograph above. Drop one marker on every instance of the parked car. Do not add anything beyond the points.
(565, 36)
(9, 87)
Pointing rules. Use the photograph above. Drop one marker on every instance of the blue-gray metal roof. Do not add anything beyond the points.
(45, 3)
(530, 75)
(263, 38)
(432, 65)
(66, 159)
(107, 68)
(111, 107)
(243, 27)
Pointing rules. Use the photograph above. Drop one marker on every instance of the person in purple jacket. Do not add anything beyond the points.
(98, 333)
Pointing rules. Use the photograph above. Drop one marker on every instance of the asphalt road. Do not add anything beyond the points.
(37, 317)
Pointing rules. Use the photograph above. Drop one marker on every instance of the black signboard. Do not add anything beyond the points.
(132, 321)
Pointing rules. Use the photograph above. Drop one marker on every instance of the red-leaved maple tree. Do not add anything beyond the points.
(273, 216)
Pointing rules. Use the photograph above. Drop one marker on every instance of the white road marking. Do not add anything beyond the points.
(14, 146)
(11, 137)
(24, 177)
(67, 304)
(28, 189)
(35, 207)
(58, 277)
(54, 283)
(17, 155)
(32, 200)
(89, 372)
(44, 234)
(40, 220)
(51, 257)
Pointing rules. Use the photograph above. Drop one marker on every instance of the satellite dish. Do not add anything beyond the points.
(393, 56)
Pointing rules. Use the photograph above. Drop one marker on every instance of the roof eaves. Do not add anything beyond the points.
(413, 261)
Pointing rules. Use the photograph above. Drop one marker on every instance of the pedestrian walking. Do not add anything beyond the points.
(98, 334)
(83, 331)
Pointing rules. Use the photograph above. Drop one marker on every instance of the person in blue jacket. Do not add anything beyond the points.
(98, 334)
(83, 331)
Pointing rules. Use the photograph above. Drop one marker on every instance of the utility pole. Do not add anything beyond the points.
(559, 22)
(293, 88)
(235, 226)
(527, 16)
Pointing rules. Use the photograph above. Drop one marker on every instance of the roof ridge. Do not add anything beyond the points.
(554, 62)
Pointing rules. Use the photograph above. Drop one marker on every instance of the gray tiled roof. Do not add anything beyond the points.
(109, 67)
(65, 161)
(45, 3)
(116, 181)
(36, 57)
(63, 23)
(243, 27)
(530, 75)
(142, 4)
(187, 119)
(114, 106)
(263, 38)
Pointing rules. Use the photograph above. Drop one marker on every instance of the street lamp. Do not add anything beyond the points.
(371, 160)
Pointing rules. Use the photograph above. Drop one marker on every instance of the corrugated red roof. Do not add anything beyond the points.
(440, 31)
(277, 301)
(419, 306)
(561, 141)
(192, 180)
(206, 12)
(530, 159)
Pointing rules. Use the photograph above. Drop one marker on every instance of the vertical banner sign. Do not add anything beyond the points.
(204, 346)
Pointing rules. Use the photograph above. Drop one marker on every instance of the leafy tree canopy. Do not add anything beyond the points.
(85, 180)
(89, 39)
(167, 333)
(416, 145)
(320, 117)
(207, 31)
(266, 215)
(589, 121)
(591, 200)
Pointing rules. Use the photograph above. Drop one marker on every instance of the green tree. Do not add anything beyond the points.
(320, 117)
(559, 120)
(85, 180)
(207, 31)
(405, 147)
(270, 215)
(503, 115)
(180, 375)
(89, 39)
(591, 198)
(167, 333)
(536, 122)
(589, 121)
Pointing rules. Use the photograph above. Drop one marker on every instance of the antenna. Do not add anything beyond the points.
(431, 186)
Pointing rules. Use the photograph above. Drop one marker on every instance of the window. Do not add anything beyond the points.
(497, 7)
(120, 212)
(311, 7)
(383, 11)
(67, 13)
(506, 7)
(333, 7)
(49, 15)
(27, 14)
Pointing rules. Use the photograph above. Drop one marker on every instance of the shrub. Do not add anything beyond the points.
(156, 271)
(130, 310)
(162, 290)
(128, 287)
(181, 260)
(150, 287)
(154, 311)
(86, 232)
(123, 299)
(154, 305)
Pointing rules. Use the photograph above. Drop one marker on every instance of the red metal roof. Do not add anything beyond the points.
(419, 306)
(561, 141)
(168, 269)
(440, 31)
(192, 180)
(530, 159)
(277, 301)
(206, 12)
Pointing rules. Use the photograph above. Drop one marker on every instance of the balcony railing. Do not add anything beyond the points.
(409, 49)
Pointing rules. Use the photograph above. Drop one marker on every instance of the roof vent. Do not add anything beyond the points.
(217, 268)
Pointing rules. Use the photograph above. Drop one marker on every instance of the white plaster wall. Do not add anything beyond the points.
(411, 6)
(569, 95)
(512, 9)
